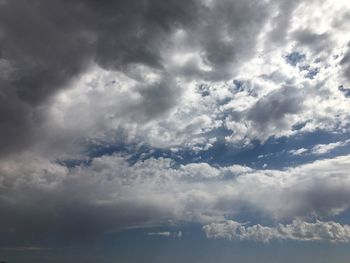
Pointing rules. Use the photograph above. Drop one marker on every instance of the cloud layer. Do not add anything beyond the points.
(42, 199)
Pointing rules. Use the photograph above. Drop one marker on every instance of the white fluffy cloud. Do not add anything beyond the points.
(326, 148)
(297, 230)
(320, 149)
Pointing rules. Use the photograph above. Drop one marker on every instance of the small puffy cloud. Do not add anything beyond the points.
(299, 151)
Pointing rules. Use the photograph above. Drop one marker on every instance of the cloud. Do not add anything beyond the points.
(297, 231)
(271, 111)
(317, 42)
(54, 43)
(148, 59)
(345, 62)
(83, 203)
(179, 76)
(166, 234)
(326, 148)
(320, 149)
(299, 151)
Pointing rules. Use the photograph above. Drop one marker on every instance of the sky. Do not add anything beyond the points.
(175, 131)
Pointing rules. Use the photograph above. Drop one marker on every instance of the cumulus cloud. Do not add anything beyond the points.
(297, 230)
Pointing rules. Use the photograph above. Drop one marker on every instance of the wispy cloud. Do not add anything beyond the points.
(177, 234)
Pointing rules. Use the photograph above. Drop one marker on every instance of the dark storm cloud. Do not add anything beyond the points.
(40, 203)
(57, 221)
(44, 44)
(15, 119)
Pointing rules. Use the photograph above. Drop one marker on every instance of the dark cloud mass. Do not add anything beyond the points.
(45, 44)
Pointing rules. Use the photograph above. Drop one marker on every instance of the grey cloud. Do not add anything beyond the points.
(269, 114)
(229, 35)
(316, 42)
(342, 20)
(281, 22)
(345, 62)
(16, 118)
(270, 111)
(315, 189)
(49, 207)
(158, 98)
